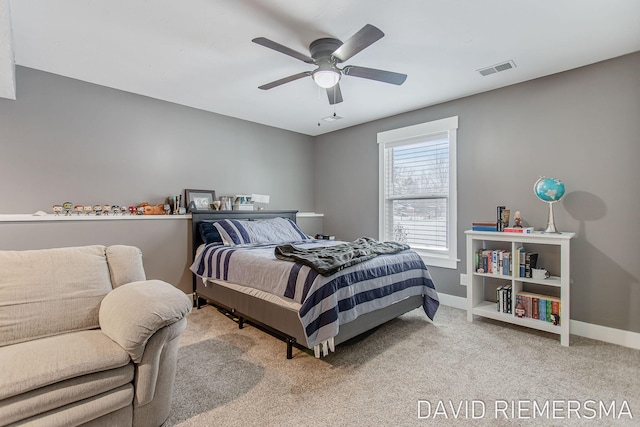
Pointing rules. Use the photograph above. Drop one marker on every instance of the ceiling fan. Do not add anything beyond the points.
(327, 53)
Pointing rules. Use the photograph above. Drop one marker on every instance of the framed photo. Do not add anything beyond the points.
(201, 200)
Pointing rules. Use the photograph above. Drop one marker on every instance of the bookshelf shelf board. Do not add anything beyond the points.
(488, 309)
(551, 281)
(494, 276)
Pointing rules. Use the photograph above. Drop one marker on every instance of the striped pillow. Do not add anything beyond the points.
(274, 230)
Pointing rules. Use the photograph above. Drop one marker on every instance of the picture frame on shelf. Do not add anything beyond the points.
(201, 200)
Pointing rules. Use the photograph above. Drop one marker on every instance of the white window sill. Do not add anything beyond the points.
(439, 261)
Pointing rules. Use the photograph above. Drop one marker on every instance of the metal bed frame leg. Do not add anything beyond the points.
(198, 301)
(290, 343)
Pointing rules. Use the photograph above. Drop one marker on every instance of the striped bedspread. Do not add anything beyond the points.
(326, 302)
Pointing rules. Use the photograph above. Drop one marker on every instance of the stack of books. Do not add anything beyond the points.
(538, 306)
(484, 226)
(504, 299)
(503, 262)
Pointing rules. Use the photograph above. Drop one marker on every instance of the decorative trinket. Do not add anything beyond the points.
(68, 207)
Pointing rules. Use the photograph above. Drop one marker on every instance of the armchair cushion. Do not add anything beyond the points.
(125, 264)
(132, 313)
(47, 292)
(67, 356)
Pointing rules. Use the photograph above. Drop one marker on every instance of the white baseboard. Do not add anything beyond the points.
(453, 301)
(582, 329)
(606, 334)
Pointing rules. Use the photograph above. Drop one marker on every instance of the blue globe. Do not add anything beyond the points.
(548, 189)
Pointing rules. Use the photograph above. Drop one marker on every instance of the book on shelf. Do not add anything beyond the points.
(530, 261)
(523, 230)
(535, 307)
(521, 261)
(506, 263)
(500, 217)
(520, 306)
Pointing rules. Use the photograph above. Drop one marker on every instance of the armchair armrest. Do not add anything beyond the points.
(132, 313)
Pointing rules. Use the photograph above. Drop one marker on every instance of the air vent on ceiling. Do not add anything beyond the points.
(497, 68)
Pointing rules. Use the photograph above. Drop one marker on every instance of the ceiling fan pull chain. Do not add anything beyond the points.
(334, 97)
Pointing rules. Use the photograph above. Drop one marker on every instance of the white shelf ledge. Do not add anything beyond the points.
(309, 215)
(83, 217)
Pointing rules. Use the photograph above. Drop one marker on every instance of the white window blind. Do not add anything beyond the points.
(417, 190)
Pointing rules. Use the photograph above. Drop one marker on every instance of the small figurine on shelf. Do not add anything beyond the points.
(57, 209)
(106, 209)
(87, 209)
(97, 209)
(78, 209)
(115, 209)
(167, 208)
(517, 220)
(68, 207)
(133, 210)
(123, 209)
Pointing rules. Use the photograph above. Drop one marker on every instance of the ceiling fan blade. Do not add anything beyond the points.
(374, 74)
(335, 94)
(283, 49)
(364, 38)
(284, 80)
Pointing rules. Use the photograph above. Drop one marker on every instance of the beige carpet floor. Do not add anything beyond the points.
(409, 372)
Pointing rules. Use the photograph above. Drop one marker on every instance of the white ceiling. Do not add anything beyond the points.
(199, 52)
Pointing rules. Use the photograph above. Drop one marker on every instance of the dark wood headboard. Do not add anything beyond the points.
(210, 216)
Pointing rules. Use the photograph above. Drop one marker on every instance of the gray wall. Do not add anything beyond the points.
(67, 140)
(582, 126)
(63, 139)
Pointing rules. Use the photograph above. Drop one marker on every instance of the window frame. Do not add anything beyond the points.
(393, 137)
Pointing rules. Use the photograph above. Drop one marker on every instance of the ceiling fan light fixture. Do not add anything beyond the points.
(326, 78)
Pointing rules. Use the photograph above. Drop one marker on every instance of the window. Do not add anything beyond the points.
(418, 189)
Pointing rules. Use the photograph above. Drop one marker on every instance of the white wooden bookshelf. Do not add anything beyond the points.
(553, 251)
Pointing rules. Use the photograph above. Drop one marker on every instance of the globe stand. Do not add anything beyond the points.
(551, 226)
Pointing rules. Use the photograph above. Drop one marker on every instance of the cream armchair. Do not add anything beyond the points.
(85, 338)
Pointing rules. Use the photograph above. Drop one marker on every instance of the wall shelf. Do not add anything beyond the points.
(83, 217)
(55, 218)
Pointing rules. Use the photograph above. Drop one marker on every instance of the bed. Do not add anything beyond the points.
(290, 299)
